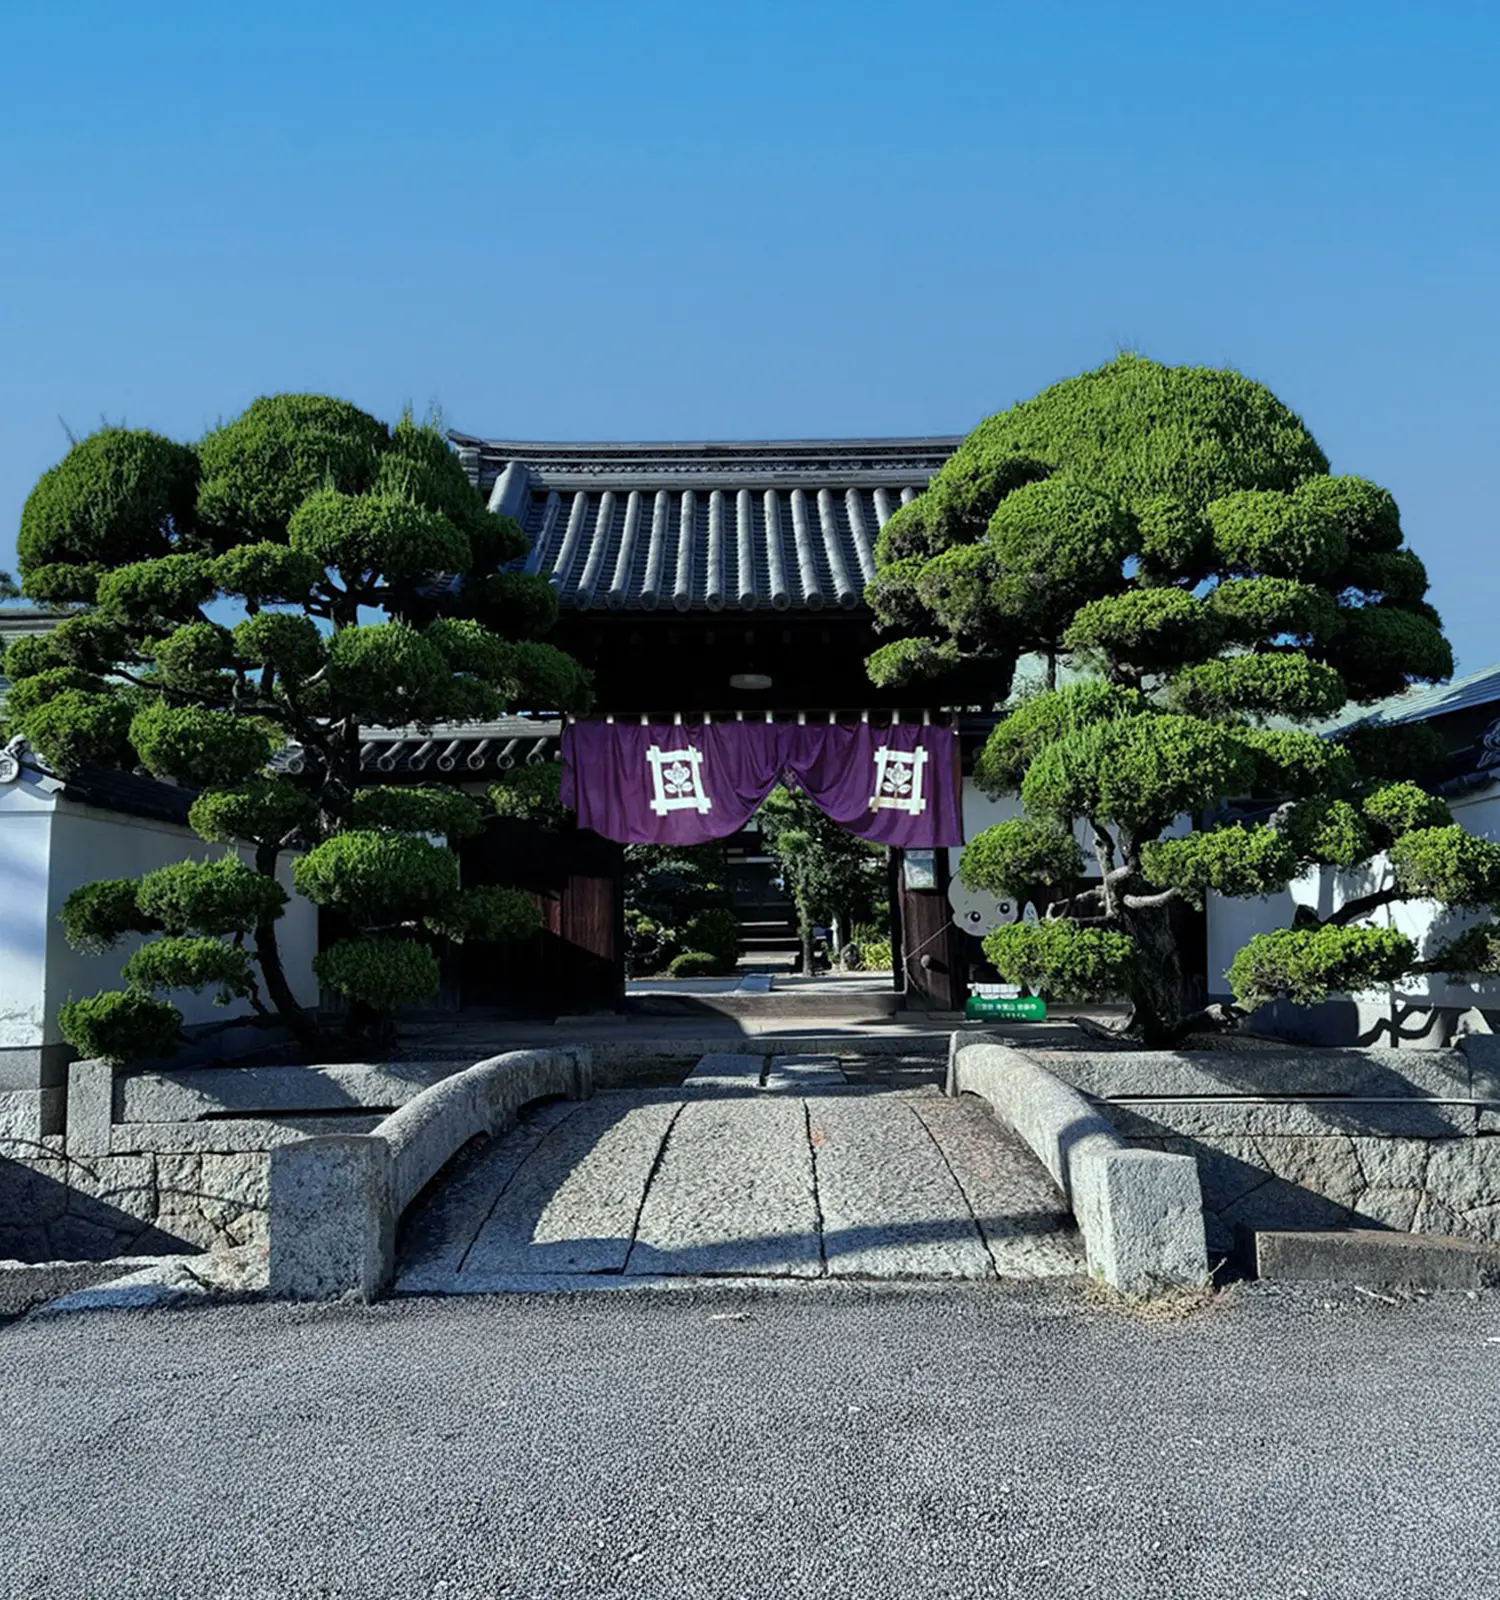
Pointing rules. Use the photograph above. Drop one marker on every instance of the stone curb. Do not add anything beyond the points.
(1140, 1211)
(335, 1202)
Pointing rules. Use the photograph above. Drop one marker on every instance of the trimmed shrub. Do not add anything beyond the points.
(697, 964)
(383, 974)
(120, 1025)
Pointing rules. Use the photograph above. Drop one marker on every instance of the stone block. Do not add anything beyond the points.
(1481, 1051)
(331, 1222)
(30, 1115)
(1389, 1208)
(232, 1135)
(194, 1093)
(1375, 1259)
(91, 1107)
(1263, 1074)
(1140, 1212)
(1274, 1119)
(125, 1184)
(1464, 1174)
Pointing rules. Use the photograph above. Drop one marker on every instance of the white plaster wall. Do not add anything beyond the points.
(25, 856)
(1233, 923)
(88, 845)
(981, 812)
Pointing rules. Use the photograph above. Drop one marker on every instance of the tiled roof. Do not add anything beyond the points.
(1439, 700)
(761, 525)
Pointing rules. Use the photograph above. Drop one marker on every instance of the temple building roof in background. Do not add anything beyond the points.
(761, 525)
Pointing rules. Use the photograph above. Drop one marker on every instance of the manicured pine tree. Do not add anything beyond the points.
(1169, 542)
(273, 586)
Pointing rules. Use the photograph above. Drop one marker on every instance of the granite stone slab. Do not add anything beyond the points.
(799, 1074)
(734, 1193)
(1413, 1119)
(726, 1070)
(891, 1207)
(438, 1232)
(1022, 1216)
(572, 1204)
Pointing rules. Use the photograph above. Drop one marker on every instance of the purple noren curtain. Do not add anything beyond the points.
(659, 783)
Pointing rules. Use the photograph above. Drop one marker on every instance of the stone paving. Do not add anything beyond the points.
(753, 1167)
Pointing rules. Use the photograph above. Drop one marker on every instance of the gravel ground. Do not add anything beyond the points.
(816, 1440)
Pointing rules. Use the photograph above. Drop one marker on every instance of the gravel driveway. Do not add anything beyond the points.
(814, 1439)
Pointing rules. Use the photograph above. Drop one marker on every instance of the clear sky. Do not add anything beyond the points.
(746, 220)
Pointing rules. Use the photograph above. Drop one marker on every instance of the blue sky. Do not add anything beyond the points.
(661, 221)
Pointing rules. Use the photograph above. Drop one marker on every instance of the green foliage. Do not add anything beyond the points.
(876, 955)
(1172, 537)
(376, 877)
(531, 792)
(1447, 864)
(159, 593)
(1043, 719)
(120, 1026)
(1279, 535)
(1473, 953)
(716, 931)
(1364, 513)
(118, 496)
(521, 604)
(266, 573)
(96, 916)
(192, 659)
(289, 643)
(1057, 543)
(827, 871)
(9, 589)
(308, 506)
(1143, 630)
(957, 590)
(29, 655)
(198, 745)
(424, 810)
(666, 887)
(1139, 772)
(1136, 430)
(216, 897)
(1285, 684)
(258, 469)
(486, 912)
(75, 727)
(370, 536)
(1012, 857)
(91, 641)
(25, 696)
(698, 964)
(545, 678)
(386, 673)
(190, 963)
(1235, 860)
(1397, 808)
(267, 810)
(382, 974)
(1070, 961)
(1306, 965)
(1395, 575)
(909, 660)
(1400, 750)
(1330, 833)
(1262, 610)
(1294, 765)
(1379, 649)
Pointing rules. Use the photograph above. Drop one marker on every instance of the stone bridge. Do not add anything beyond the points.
(754, 1166)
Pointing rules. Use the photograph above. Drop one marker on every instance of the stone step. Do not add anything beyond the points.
(1376, 1259)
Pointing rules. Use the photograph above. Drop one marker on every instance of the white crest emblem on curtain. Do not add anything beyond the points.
(899, 778)
(677, 781)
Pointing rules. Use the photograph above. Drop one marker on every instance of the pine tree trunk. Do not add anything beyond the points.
(1160, 997)
(273, 974)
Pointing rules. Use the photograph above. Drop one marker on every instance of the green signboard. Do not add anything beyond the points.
(1016, 1008)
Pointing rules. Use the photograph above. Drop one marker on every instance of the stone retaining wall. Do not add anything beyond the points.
(1399, 1139)
(157, 1162)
